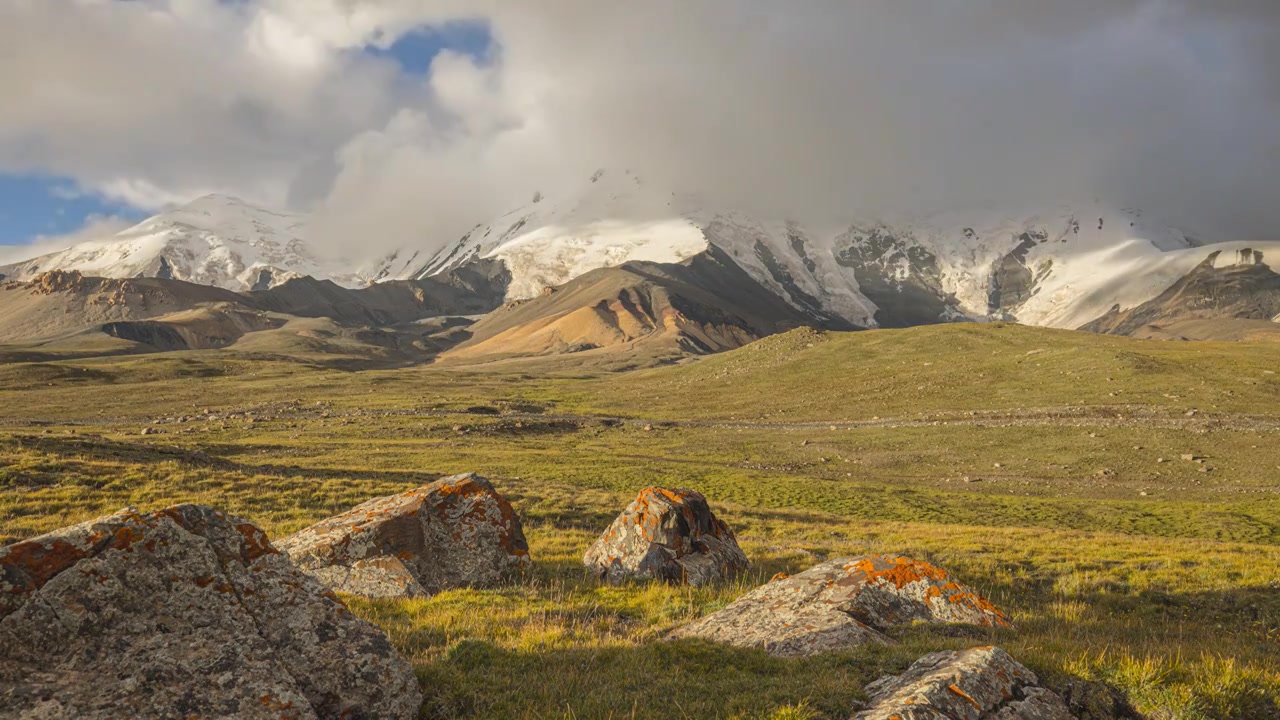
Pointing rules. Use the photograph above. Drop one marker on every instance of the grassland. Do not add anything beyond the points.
(1043, 467)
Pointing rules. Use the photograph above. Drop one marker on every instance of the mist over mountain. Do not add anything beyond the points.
(827, 112)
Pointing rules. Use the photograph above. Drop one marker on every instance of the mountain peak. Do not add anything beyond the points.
(216, 239)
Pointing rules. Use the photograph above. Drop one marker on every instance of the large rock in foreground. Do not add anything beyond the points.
(454, 532)
(841, 603)
(982, 683)
(184, 612)
(669, 535)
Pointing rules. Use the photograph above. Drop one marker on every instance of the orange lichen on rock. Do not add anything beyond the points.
(901, 571)
(667, 534)
(841, 603)
(976, 684)
(455, 532)
(133, 600)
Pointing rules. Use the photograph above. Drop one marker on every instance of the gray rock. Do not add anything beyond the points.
(454, 532)
(982, 683)
(183, 612)
(842, 603)
(670, 535)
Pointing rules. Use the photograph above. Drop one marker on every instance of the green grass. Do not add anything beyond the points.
(1155, 577)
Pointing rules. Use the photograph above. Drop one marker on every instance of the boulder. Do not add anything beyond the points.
(841, 603)
(982, 683)
(184, 612)
(454, 532)
(670, 535)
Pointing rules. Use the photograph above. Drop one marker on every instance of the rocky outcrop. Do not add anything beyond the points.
(667, 534)
(183, 612)
(1012, 281)
(842, 603)
(982, 683)
(455, 532)
(1215, 290)
(900, 276)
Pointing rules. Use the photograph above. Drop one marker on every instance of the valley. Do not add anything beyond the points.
(1115, 496)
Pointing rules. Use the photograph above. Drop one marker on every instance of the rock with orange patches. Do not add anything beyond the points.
(455, 532)
(842, 603)
(183, 612)
(982, 683)
(669, 535)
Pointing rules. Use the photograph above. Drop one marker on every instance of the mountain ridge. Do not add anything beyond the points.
(1064, 267)
(216, 240)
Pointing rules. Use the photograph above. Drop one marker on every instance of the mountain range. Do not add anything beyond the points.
(622, 264)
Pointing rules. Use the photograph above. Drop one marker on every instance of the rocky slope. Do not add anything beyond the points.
(396, 321)
(57, 303)
(658, 311)
(1231, 294)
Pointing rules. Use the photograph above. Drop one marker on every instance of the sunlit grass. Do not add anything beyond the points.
(1156, 578)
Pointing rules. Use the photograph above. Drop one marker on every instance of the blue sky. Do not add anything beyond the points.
(415, 51)
(34, 205)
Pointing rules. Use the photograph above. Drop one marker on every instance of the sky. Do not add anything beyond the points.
(408, 121)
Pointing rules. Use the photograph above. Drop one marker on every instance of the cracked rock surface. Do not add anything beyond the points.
(667, 534)
(982, 683)
(842, 603)
(455, 532)
(183, 612)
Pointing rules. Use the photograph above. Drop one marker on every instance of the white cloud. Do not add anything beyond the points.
(95, 227)
(821, 109)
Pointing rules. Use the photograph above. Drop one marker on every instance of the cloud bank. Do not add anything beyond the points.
(822, 110)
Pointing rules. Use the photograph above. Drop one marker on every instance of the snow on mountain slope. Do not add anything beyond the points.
(215, 240)
(1061, 267)
(1058, 268)
(615, 218)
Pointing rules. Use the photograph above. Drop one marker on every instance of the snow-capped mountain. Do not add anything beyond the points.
(215, 240)
(1061, 267)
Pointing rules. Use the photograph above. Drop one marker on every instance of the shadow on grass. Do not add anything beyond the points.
(683, 679)
(146, 453)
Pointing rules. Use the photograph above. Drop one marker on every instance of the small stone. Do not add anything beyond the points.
(982, 683)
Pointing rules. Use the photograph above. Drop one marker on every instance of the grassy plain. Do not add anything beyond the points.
(1044, 467)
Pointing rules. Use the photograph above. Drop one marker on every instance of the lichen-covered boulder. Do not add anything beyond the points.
(841, 603)
(454, 532)
(184, 612)
(667, 534)
(982, 683)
